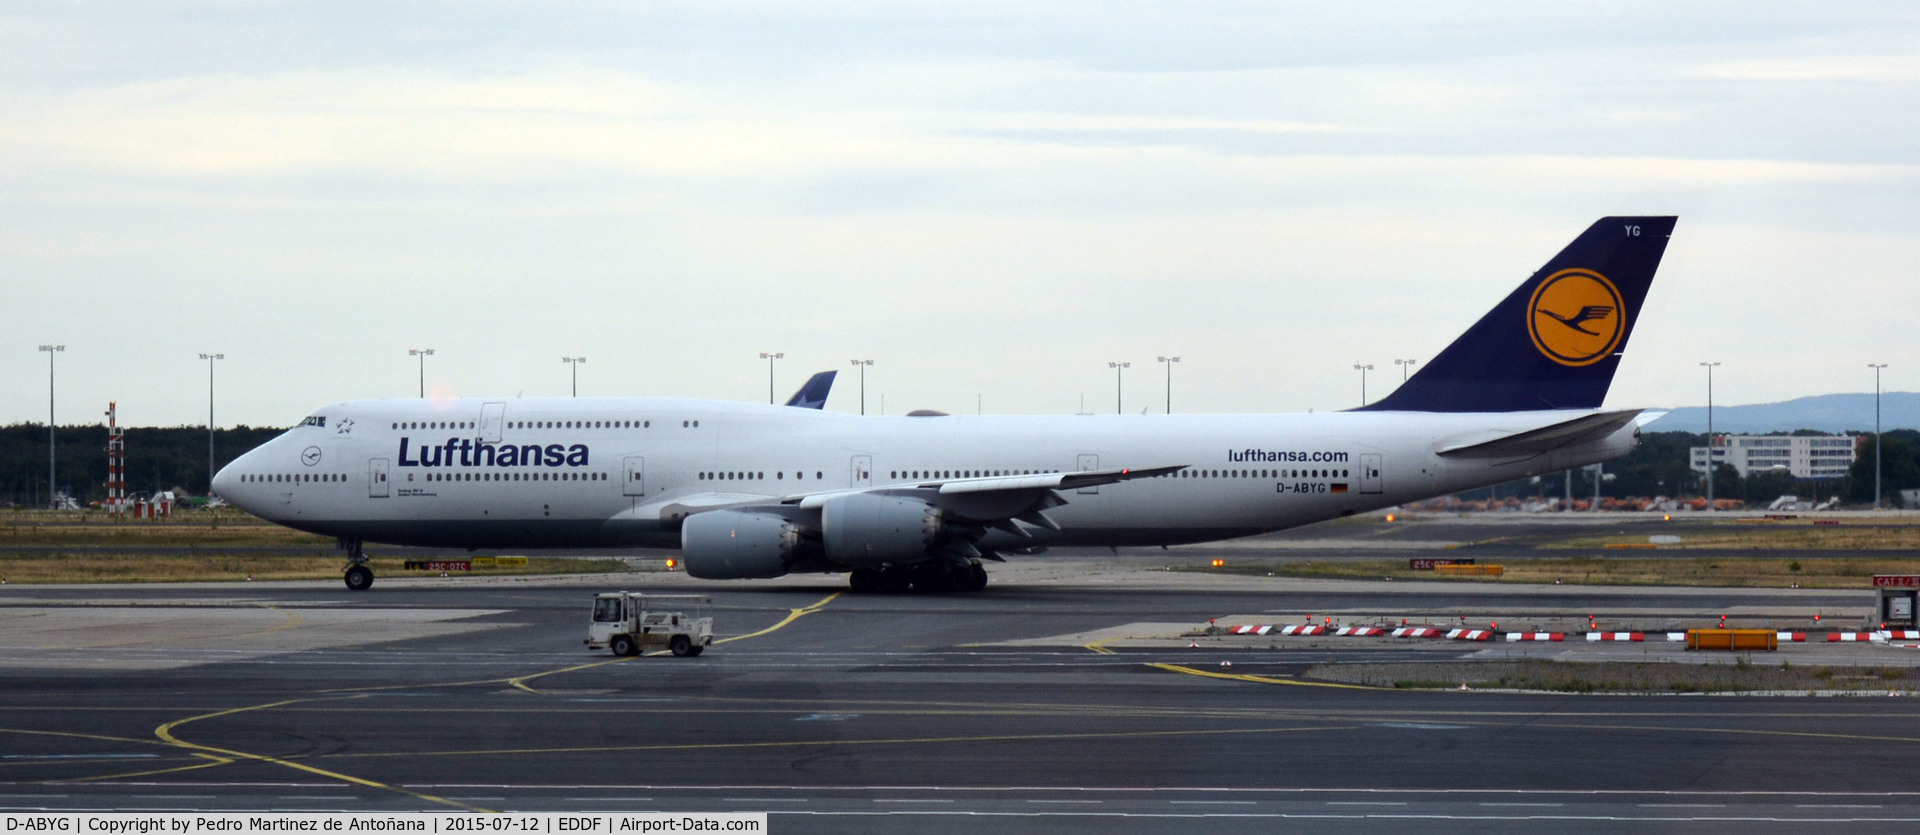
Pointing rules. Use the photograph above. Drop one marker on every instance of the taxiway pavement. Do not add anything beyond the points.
(835, 711)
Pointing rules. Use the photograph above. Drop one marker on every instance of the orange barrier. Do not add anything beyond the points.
(1459, 570)
(1733, 639)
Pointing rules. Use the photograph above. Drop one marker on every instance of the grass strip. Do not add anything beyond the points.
(1738, 572)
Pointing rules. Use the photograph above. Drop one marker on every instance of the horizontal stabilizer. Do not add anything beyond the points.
(1545, 439)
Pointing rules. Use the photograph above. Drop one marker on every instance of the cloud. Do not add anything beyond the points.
(1857, 68)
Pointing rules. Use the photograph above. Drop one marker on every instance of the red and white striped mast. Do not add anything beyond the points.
(116, 463)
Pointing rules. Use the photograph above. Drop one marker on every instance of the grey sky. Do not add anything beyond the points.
(990, 200)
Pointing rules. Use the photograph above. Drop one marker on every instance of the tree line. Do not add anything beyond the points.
(1660, 466)
(157, 459)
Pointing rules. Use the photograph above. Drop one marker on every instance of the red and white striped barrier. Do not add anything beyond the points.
(1416, 632)
(1470, 635)
(1635, 637)
(1849, 637)
(1901, 634)
(1303, 630)
(1536, 636)
(1794, 637)
(1673, 637)
(1360, 631)
(1252, 630)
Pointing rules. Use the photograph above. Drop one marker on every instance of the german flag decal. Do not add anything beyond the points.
(1339, 488)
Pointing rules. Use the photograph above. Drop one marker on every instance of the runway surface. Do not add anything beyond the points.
(834, 711)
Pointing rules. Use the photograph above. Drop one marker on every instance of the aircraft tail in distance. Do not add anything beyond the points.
(813, 395)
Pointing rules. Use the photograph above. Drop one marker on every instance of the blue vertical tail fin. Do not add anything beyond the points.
(1556, 341)
(813, 395)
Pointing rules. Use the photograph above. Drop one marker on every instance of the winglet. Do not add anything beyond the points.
(813, 395)
(1555, 342)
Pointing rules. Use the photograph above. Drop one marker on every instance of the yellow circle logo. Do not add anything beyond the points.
(1576, 317)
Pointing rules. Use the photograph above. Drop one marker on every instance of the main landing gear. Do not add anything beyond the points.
(359, 574)
(928, 577)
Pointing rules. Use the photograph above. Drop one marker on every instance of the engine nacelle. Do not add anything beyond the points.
(737, 545)
(863, 529)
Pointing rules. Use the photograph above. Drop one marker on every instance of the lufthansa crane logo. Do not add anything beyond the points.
(1576, 317)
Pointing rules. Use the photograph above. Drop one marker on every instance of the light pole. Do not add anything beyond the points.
(1876, 366)
(1405, 366)
(51, 480)
(210, 358)
(1709, 366)
(1169, 361)
(422, 353)
(1118, 367)
(862, 364)
(574, 364)
(1363, 368)
(770, 357)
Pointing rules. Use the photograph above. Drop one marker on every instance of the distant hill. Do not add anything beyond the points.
(1825, 412)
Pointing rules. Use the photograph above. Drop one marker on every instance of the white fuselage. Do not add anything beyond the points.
(621, 472)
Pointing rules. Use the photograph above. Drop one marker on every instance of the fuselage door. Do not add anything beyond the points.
(377, 487)
(492, 417)
(1088, 462)
(1372, 480)
(635, 478)
(860, 471)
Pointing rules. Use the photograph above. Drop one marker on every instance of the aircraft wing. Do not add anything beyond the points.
(1532, 442)
(988, 502)
(993, 484)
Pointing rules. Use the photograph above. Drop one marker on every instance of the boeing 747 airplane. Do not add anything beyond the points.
(752, 491)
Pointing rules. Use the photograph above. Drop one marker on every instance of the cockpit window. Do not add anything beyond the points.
(315, 420)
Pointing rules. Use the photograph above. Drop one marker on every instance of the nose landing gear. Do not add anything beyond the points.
(359, 573)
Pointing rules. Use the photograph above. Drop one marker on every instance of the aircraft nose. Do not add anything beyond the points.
(224, 482)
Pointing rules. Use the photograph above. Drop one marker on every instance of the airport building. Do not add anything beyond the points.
(1803, 456)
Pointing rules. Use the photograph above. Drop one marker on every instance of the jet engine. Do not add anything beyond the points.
(737, 545)
(863, 529)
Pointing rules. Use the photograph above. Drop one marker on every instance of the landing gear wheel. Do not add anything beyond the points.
(864, 580)
(894, 580)
(681, 645)
(974, 578)
(622, 645)
(932, 579)
(359, 578)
